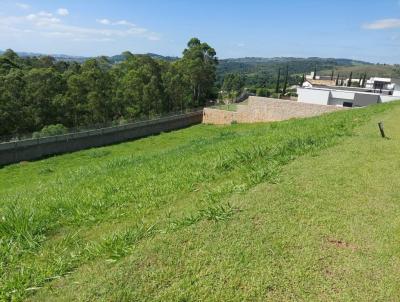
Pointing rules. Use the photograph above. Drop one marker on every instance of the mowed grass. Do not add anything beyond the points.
(297, 210)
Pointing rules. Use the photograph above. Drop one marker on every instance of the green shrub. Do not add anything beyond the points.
(51, 130)
(263, 92)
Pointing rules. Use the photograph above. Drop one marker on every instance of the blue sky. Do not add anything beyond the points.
(366, 30)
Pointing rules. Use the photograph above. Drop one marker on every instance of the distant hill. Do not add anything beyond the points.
(272, 65)
(58, 57)
(81, 59)
(261, 72)
(379, 70)
(121, 58)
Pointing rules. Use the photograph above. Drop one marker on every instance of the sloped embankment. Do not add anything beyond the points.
(146, 220)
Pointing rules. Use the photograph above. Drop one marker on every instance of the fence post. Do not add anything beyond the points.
(381, 129)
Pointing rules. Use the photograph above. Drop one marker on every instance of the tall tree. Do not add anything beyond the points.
(176, 88)
(13, 117)
(199, 66)
(364, 83)
(286, 80)
(337, 79)
(42, 87)
(278, 81)
(332, 74)
(349, 83)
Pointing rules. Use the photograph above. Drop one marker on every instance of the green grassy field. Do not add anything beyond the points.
(297, 210)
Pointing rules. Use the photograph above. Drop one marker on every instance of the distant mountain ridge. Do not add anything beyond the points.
(339, 61)
(260, 69)
(248, 60)
(81, 59)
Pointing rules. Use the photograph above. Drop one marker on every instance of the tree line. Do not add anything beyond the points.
(36, 92)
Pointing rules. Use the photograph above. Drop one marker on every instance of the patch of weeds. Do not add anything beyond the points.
(46, 170)
(218, 213)
(273, 125)
(212, 213)
(119, 245)
(268, 173)
(22, 225)
(97, 153)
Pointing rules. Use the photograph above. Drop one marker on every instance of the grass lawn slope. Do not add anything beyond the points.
(297, 210)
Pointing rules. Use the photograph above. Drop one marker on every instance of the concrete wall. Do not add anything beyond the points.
(389, 98)
(344, 95)
(218, 117)
(32, 149)
(362, 99)
(265, 110)
(359, 97)
(312, 96)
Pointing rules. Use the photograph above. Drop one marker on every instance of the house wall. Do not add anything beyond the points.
(362, 99)
(338, 97)
(313, 96)
(389, 98)
(344, 95)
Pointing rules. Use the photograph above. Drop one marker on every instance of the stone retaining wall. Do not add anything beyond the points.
(265, 110)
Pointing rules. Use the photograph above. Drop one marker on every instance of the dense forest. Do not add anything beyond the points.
(36, 92)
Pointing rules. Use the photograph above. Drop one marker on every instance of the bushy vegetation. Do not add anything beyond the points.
(232, 86)
(39, 91)
(51, 130)
(95, 207)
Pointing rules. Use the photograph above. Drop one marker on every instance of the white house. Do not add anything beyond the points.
(382, 85)
(377, 90)
(339, 96)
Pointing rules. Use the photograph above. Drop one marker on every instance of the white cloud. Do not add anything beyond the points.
(124, 22)
(383, 24)
(40, 19)
(45, 14)
(23, 6)
(104, 21)
(114, 23)
(63, 12)
(45, 24)
(154, 38)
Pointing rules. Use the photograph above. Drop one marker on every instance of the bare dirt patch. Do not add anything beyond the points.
(342, 244)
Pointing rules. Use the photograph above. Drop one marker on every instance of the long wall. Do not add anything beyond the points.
(32, 149)
(265, 110)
